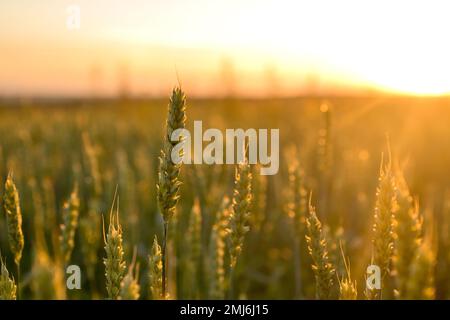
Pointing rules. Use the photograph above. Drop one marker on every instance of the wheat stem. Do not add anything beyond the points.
(164, 259)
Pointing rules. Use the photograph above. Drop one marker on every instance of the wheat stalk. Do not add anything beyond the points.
(194, 239)
(70, 223)
(384, 220)
(347, 289)
(129, 288)
(7, 286)
(317, 247)
(297, 207)
(241, 203)
(408, 233)
(114, 261)
(239, 217)
(155, 271)
(216, 265)
(217, 247)
(168, 175)
(11, 203)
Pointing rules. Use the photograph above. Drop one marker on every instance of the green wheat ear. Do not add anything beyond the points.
(407, 235)
(155, 271)
(7, 286)
(317, 247)
(298, 202)
(129, 288)
(168, 175)
(217, 247)
(11, 203)
(384, 223)
(168, 185)
(69, 227)
(241, 204)
(114, 262)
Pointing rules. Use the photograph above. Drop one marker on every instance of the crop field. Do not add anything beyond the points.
(88, 185)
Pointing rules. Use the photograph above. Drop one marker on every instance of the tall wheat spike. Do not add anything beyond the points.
(70, 223)
(317, 247)
(239, 218)
(11, 203)
(114, 262)
(384, 220)
(155, 271)
(194, 240)
(216, 264)
(217, 247)
(347, 289)
(7, 286)
(129, 288)
(168, 175)
(408, 235)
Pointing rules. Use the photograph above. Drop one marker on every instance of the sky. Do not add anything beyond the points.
(212, 47)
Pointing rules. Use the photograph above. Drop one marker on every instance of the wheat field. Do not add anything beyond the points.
(362, 181)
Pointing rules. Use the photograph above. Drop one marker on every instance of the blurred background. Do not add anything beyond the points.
(221, 48)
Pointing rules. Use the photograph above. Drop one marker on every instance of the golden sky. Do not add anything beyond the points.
(247, 47)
